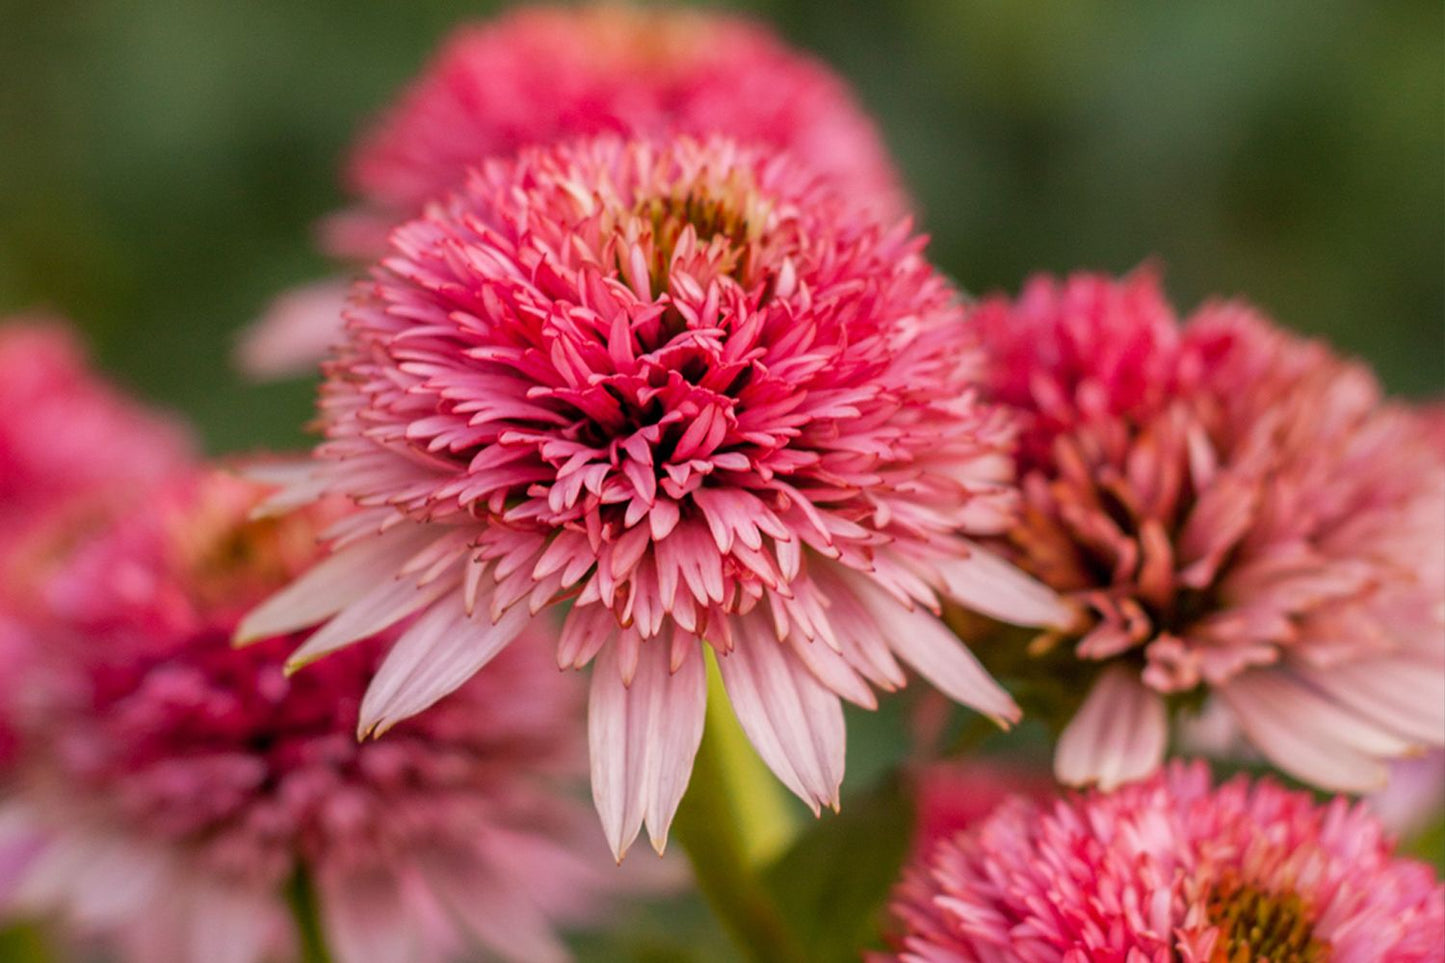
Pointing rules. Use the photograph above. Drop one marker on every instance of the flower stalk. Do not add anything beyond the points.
(731, 822)
(310, 940)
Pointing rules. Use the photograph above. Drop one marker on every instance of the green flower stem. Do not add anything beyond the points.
(24, 943)
(302, 897)
(731, 821)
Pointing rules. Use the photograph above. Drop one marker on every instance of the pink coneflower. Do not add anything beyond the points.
(1172, 869)
(64, 432)
(1244, 515)
(174, 789)
(542, 75)
(687, 390)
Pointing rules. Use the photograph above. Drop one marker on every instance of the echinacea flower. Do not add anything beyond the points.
(543, 75)
(65, 433)
(174, 792)
(1245, 517)
(690, 391)
(1171, 869)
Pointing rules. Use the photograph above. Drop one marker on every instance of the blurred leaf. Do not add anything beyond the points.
(23, 943)
(1430, 846)
(834, 881)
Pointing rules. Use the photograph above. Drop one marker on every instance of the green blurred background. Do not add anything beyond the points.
(162, 161)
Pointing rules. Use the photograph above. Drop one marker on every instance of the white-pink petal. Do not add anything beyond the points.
(643, 739)
(437, 653)
(333, 584)
(372, 613)
(1308, 736)
(794, 722)
(1118, 735)
(988, 584)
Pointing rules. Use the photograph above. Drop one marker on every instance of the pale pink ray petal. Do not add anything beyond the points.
(435, 655)
(792, 720)
(986, 583)
(295, 333)
(1405, 695)
(926, 644)
(1118, 735)
(1285, 737)
(334, 583)
(368, 615)
(1271, 700)
(298, 482)
(643, 739)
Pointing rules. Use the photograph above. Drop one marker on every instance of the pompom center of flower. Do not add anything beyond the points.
(721, 229)
(1258, 925)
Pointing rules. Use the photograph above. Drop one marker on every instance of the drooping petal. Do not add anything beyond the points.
(1301, 733)
(792, 720)
(643, 739)
(925, 644)
(1117, 736)
(988, 584)
(439, 652)
(333, 584)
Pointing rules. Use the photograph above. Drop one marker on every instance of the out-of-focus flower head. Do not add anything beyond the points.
(174, 792)
(543, 75)
(1171, 869)
(65, 433)
(70, 445)
(952, 796)
(1243, 514)
(690, 390)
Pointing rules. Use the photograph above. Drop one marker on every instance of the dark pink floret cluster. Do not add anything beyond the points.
(1242, 512)
(1169, 870)
(178, 788)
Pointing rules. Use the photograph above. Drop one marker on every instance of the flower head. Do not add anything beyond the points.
(175, 788)
(538, 76)
(689, 390)
(64, 433)
(1244, 516)
(1171, 869)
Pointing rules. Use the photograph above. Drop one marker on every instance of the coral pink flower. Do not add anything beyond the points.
(1171, 869)
(542, 75)
(64, 432)
(1245, 516)
(685, 389)
(957, 795)
(174, 789)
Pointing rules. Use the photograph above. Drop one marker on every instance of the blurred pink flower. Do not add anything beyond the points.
(1243, 514)
(957, 795)
(64, 432)
(1171, 869)
(541, 75)
(173, 788)
(70, 444)
(687, 389)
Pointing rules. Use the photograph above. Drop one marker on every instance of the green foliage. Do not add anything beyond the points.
(832, 885)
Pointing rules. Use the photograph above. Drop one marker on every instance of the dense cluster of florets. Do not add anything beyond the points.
(1241, 511)
(175, 789)
(1171, 869)
(691, 390)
